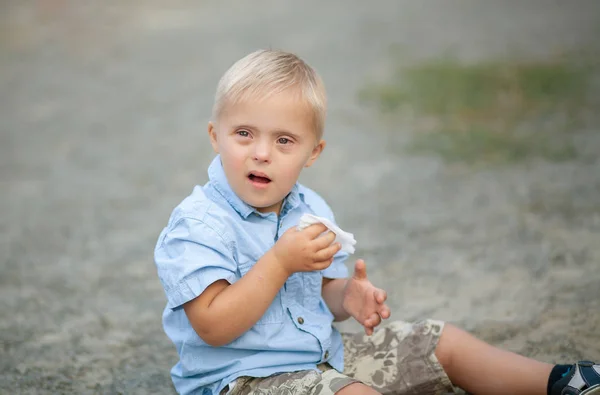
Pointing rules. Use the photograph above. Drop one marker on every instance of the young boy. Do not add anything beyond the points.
(251, 299)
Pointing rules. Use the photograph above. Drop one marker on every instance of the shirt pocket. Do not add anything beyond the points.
(274, 314)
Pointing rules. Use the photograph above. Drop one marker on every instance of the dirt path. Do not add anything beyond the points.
(103, 112)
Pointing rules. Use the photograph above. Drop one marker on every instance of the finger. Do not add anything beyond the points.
(385, 312)
(380, 295)
(373, 320)
(324, 241)
(360, 270)
(368, 330)
(327, 253)
(323, 264)
(314, 230)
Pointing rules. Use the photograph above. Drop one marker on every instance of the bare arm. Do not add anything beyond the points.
(356, 297)
(223, 312)
(333, 294)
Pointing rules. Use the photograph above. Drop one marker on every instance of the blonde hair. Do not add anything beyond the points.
(267, 72)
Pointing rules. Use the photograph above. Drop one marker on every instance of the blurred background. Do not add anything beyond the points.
(463, 153)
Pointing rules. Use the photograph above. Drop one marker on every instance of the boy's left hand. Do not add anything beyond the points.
(364, 301)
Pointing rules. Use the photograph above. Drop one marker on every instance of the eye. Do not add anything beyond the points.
(283, 140)
(243, 133)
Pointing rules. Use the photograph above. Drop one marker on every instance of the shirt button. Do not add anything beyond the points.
(300, 320)
(326, 354)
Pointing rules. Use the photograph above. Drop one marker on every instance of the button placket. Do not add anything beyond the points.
(278, 226)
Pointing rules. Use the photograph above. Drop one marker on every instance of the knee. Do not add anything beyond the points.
(446, 345)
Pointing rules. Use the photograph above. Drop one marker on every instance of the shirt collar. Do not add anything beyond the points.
(216, 175)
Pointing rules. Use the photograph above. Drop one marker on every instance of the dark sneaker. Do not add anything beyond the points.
(582, 379)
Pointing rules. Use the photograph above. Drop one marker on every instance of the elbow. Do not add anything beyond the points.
(213, 334)
(208, 326)
(213, 338)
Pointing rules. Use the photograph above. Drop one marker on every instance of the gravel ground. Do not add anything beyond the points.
(104, 107)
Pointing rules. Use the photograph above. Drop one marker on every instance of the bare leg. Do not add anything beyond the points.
(357, 389)
(480, 368)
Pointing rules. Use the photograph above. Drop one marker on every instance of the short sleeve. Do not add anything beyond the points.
(190, 257)
(338, 268)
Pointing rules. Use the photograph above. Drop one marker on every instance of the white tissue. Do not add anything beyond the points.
(344, 238)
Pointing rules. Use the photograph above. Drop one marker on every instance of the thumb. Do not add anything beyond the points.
(360, 270)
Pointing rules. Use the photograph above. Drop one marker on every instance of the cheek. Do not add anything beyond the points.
(233, 159)
(292, 172)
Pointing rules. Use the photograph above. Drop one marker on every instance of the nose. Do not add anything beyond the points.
(262, 152)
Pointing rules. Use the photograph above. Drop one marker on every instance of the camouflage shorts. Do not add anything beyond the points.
(398, 359)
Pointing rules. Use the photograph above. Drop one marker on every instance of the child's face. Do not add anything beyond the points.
(264, 145)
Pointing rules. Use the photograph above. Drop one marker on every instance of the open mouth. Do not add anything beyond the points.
(259, 178)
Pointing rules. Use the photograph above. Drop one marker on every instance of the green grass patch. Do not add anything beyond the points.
(494, 111)
(476, 145)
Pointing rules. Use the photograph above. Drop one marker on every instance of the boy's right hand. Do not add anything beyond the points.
(304, 251)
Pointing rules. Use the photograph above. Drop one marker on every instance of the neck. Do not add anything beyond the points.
(276, 208)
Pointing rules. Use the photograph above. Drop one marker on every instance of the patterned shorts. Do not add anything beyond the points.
(397, 359)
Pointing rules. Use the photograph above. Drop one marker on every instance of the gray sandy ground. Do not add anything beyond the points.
(103, 112)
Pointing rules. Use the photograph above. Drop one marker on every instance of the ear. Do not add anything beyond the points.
(315, 153)
(212, 134)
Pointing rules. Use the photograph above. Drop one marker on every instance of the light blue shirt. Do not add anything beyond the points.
(211, 235)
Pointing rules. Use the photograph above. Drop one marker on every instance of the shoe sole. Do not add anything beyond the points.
(595, 390)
